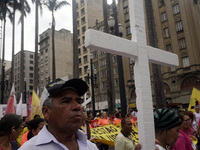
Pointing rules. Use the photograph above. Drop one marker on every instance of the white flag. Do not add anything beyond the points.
(19, 107)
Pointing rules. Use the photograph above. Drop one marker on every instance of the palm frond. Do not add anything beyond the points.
(61, 4)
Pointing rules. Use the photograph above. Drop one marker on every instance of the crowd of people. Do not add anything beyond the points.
(64, 115)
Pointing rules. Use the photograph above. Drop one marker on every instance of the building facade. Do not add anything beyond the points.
(28, 75)
(63, 56)
(177, 25)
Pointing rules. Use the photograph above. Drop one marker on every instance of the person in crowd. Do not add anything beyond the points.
(117, 120)
(34, 125)
(25, 121)
(11, 126)
(124, 140)
(184, 142)
(61, 107)
(104, 120)
(191, 131)
(167, 124)
(36, 116)
(129, 116)
(197, 116)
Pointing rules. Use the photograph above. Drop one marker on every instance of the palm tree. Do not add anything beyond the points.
(54, 5)
(75, 42)
(25, 8)
(37, 4)
(5, 9)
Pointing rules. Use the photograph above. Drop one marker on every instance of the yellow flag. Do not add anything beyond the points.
(194, 100)
(35, 106)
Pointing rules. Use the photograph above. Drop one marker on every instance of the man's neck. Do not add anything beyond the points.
(126, 134)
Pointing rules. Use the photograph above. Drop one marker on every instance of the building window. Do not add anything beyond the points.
(182, 43)
(84, 49)
(79, 61)
(83, 29)
(78, 32)
(169, 48)
(176, 9)
(31, 68)
(31, 75)
(78, 23)
(82, 2)
(82, 11)
(116, 82)
(125, 3)
(103, 62)
(31, 88)
(31, 62)
(104, 73)
(80, 71)
(104, 85)
(31, 56)
(85, 69)
(41, 53)
(185, 62)
(163, 16)
(126, 16)
(114, 58)
(46, 50)
(128, 30)
(166, 33)
(189, 83)
(179, 26)
(83, 20)
(161, 2)
(102, 53)
(115, 71)
(79, 42)
(95, 54)
(31, 80)
(77, 14)
(85, 59)
(83, 39)
(79, 51)
(95, 65)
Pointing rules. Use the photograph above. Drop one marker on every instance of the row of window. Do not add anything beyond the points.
(175, 9)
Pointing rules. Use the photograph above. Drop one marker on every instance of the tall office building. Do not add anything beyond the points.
(177, 25)
(63, 56)
(28, 75)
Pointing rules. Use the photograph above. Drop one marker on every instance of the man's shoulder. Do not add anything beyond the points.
(30, 144)
(91, 146)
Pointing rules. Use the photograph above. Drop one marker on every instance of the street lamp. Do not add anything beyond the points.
(92, 75)
(117, 29)
(2, 81)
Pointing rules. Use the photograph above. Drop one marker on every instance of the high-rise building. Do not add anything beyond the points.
(177, 25)
(28, 75)
(63, 56)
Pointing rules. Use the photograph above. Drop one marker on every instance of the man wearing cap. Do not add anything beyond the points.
(167, 124)
(61, 107)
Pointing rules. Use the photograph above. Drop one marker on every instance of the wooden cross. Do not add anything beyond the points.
(138, 49)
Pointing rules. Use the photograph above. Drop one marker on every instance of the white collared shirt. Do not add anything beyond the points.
(45, 140)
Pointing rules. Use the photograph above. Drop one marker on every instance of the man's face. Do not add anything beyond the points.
(172, 135)
(197, 109)
(127, 128)
(65, 113)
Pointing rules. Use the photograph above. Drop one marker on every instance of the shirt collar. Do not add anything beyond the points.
(81, 137)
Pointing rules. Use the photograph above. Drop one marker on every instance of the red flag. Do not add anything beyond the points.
(11, 102)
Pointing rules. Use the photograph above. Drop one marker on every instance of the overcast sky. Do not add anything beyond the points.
(63, 20)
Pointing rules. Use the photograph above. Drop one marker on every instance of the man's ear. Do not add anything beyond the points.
(45, 112)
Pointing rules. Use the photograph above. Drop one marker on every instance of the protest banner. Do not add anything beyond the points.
(194, 100)
(107, 134)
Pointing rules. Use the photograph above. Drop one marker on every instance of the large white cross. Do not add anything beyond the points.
(143, 54)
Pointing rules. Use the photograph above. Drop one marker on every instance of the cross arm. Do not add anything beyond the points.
(109, 43)
(162, 57)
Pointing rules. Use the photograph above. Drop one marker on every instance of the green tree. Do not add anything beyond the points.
(37, 4)
(54, 5)
(5, 10)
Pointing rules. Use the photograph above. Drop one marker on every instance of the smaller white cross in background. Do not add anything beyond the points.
(143, 54)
